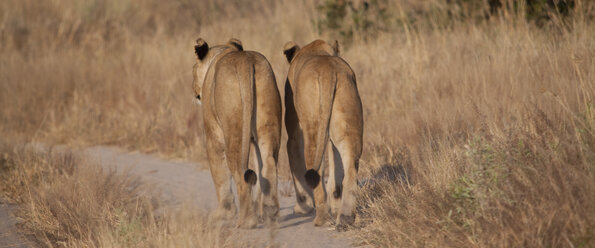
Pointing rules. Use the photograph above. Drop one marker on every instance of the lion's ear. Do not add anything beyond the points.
(335, 46)
(289, 50)
(236, 43)
(201, 48)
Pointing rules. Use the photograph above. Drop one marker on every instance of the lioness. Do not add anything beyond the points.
(322, 102)
(241, 106)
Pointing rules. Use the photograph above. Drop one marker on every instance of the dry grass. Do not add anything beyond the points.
(487, 133)
(106, 72)
(69, 202)
(488, 128)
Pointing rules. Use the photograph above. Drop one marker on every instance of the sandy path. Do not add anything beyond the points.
(179, 182)
(9, 236)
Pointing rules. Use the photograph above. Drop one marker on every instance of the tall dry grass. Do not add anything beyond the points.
(482, 131)
(483, 136)
(118, 72)
(66, 201)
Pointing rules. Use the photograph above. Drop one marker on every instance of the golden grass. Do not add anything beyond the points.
(487, 133)
(487, 128)
(66, 201)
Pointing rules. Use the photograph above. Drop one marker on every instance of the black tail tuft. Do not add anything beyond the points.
(312, 178)
(250, 177)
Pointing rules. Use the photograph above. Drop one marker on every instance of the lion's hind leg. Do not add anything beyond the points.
(348, 149)
(268, 149)
(257, 165)
(247, 216)
(303, 194)
(226, 208)
(295, 153)
(335, 178)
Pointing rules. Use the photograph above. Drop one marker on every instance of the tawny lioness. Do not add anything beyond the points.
(241, 106)
(322, 103)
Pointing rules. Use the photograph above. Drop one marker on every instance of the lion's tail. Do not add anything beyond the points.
(327, 87)
(247, 95)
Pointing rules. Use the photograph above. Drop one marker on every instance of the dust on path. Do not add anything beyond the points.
(176, 183)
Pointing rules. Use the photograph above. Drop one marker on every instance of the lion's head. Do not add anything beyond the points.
(292, 50)
(205, 56)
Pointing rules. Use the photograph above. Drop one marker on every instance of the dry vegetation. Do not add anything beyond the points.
(479, 133)
(69, 202)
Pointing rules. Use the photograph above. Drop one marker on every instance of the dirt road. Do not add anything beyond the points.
(178, 182)
(9, 236)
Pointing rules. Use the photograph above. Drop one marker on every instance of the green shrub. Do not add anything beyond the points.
(539, 11)
(346, 20)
